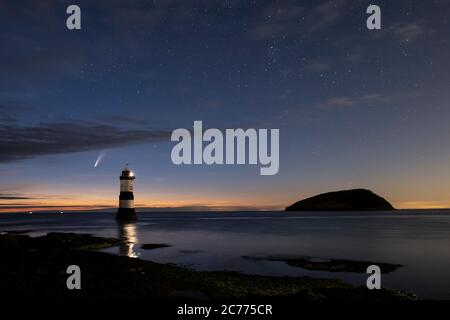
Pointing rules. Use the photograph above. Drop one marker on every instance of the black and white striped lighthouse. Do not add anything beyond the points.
(126, 210)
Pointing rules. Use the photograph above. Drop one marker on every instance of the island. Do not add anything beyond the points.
(345, 200)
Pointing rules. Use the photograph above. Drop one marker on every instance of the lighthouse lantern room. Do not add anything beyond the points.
(126, 210)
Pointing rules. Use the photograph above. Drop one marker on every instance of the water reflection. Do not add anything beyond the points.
(128, 233)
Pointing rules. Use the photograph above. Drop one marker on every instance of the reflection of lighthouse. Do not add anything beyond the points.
(126, 210)
(128, 235)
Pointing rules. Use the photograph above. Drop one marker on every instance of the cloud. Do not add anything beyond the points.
(408, 32)
(24, 207)
(276, 19)
(319, 111)
(13, 197)
(350, 101)
(19, 142)
(213, 104)
(326, 14)
(318, 65)
(282, 18)
(7, 116)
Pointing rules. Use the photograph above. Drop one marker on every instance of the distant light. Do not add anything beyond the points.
(131, 174)
(62, 212)
(31, 212)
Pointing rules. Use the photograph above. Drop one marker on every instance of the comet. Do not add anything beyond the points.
(99, 159)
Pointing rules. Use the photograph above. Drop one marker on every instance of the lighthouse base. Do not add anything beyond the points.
(126, 214)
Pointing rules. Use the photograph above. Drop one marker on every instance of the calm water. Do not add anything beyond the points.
(420, 240)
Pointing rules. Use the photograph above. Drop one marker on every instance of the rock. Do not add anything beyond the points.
(330, 265)
(346, 200)
(151, 246)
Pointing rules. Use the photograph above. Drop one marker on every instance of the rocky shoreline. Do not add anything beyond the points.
(330, 265)
(35, 267)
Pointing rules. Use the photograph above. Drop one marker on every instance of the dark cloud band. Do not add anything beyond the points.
(21, 142)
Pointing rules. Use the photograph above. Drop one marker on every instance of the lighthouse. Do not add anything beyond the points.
(126, 210)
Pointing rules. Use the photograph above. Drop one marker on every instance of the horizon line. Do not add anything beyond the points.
(191, 209)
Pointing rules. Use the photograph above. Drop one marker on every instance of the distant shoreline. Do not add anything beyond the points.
(114, 210)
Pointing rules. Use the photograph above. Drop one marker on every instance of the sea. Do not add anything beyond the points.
(419, 240)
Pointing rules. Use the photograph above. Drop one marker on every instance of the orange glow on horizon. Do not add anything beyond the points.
(189, 203)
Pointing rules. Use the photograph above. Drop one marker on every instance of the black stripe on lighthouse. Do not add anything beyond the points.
(126, 196)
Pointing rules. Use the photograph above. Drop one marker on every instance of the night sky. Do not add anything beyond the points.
(355, 108)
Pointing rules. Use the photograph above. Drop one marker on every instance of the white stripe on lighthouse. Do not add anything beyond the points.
(125, 204)
(126, 185)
